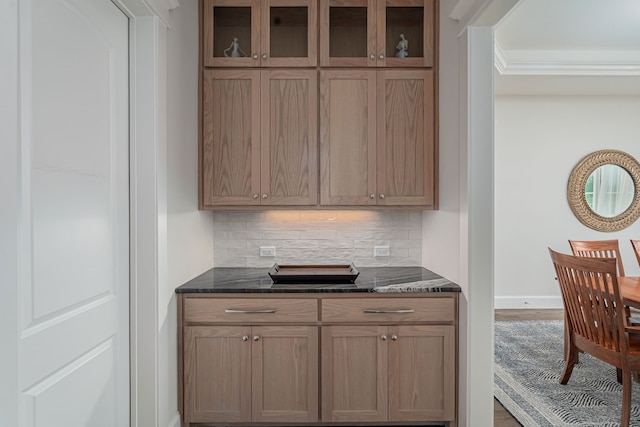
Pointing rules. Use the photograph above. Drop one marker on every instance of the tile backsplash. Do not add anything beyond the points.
(317, 237)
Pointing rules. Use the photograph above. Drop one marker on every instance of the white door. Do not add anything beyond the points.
(74, 214)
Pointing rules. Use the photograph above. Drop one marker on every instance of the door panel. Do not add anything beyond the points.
(354, 374)
(422, 373)
(348, 137)
(289, 130)
(230, 137)
(74, 284)
(285, 374)
(406, 132)
(217, 373)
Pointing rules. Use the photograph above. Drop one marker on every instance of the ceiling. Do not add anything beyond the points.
(569, 47)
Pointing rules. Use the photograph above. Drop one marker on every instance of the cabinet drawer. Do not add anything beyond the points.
(250, 310)
(377, 310)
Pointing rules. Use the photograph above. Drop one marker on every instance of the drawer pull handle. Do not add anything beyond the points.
(230, 310)
(383, 311)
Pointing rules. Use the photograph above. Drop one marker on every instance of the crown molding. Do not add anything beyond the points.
(567, 62)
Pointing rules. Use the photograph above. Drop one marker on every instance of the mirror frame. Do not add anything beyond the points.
(578, 180)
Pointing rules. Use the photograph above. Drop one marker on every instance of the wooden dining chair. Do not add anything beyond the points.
(596, 320)
(598, 249)
(636, 249)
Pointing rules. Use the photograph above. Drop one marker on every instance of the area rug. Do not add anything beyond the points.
(528, 365)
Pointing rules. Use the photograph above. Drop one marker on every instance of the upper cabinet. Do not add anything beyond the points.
(377, 138)
(259, 145)
(318, 103)
(377, 33)
(260, 33)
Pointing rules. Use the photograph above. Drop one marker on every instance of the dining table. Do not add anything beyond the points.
(630, 290)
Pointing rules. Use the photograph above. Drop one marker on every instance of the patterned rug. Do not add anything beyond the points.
(528, 366)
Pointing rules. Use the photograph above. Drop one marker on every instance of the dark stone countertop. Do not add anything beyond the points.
(370, 279)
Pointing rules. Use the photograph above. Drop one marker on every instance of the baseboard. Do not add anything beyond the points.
(175, 422)
(536, 302)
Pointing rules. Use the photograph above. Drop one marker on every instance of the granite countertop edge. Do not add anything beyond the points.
(370, 279)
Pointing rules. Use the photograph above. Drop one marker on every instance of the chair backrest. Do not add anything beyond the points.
(636, 249)
(598, 249)
(592, 300)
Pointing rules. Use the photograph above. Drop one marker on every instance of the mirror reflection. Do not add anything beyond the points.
(609, 190)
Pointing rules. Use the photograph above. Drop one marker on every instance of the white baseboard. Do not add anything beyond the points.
(175, 421)
(536, 302)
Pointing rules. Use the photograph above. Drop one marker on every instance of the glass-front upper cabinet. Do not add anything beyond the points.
(260, 33)
(377, 33)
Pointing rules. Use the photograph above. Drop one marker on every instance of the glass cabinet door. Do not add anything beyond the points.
(377, 33)
(289, 33)
(406, 35)
(347, 33)
(255, 33)
(231, 33)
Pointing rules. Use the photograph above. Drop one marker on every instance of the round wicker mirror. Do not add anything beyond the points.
(603, 197)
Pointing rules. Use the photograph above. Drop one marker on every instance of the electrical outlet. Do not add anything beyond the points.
(268, 251)
(381, 251)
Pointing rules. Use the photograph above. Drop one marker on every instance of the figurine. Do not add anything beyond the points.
(403, 47)
(234, 47)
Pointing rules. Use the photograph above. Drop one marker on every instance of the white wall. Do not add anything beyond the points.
(441, 228)
(539, 140)
(189, 233)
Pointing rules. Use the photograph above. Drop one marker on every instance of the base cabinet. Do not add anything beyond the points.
(388, 373)
(251, 374)
(372, 359)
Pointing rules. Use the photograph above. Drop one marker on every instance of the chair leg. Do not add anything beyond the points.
(626, 398)
(572, 359)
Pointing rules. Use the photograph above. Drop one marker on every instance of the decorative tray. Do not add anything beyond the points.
(343, 273)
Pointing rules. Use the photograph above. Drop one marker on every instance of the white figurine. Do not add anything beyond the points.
(403, 47)
(234, 47)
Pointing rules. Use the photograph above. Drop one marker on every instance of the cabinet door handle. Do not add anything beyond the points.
(245, 338)
(381, 56)
(372, 196)
(394, 337)
(384, 311)
(383, 337)
(264, 196)
(256, 338)
(255, 196)
(372, 57)
(264, 56)
(255, 56)
(382, 196)
(231, 310)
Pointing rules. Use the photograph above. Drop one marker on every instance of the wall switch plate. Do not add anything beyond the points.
(381, 251)
(269, 251)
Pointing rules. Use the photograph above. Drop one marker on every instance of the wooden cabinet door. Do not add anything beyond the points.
(422, 380)
(354, 374)
(407, 170)
(230, 143)
(347, 137)
(285, 374)
(217, 374)
(289, 171)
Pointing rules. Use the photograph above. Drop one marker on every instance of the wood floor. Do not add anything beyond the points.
(501, 417)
